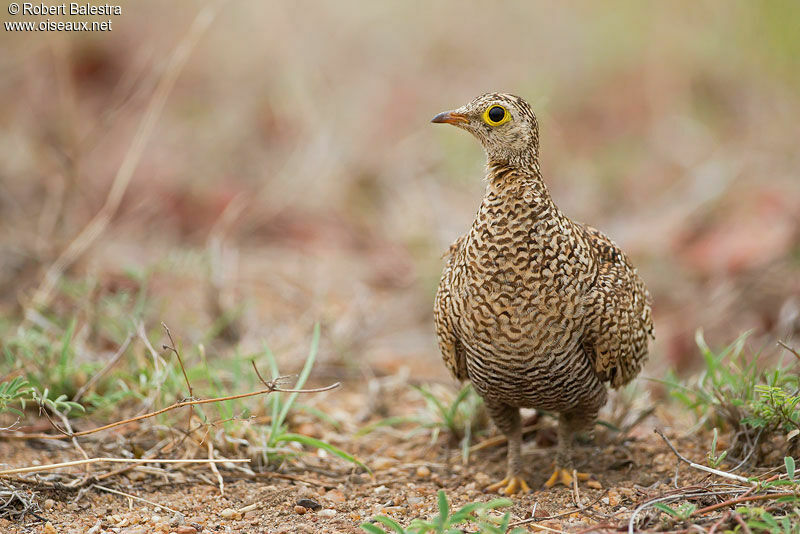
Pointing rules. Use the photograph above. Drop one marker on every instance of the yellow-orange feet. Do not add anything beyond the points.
(510, 486)
(564, 476)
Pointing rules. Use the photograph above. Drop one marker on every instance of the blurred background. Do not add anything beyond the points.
(292, 174)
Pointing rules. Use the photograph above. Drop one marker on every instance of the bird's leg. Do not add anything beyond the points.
(568, 424)
(508, 421)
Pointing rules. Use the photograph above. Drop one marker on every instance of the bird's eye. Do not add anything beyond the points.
(496, 115)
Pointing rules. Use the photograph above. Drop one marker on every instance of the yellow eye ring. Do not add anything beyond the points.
(492, 115)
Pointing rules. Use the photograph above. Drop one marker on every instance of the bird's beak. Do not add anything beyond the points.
(450, 117)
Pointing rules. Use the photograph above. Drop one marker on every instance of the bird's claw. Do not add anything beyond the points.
(565, 477)
(510, 486)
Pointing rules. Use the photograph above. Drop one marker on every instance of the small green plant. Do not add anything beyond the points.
(460, 415)
(278, 433)
(714, 460)
(775, 408)
(14, 392)
(740, 394)
(18, 392)
(681, 513)
(47, 358)
(760, 519)
(445, 522)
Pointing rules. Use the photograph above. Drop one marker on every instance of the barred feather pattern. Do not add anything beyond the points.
(536, 310)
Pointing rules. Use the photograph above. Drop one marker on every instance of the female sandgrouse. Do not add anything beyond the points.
(538, 311)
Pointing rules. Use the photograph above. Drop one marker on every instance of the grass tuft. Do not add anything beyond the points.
(756, 402)
(446, 522)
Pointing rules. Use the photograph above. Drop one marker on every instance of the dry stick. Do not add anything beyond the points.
(500, 440)
(100, 221)
(272, 388)
(790, 349)
(741, 522)
(740, 499)
(173, 348)
(214, 467)
(548, 518)
(50, 467)
(68, 426)
(666, 498)
(575, 493)
(293, 478)
(717, 472)
(111, 363)
(721, 520)
(135, 498)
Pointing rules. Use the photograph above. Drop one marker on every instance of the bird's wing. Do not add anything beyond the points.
(620, 320)
(452, 350)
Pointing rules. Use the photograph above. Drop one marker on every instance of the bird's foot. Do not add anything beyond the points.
(565, 476)
(510, 486)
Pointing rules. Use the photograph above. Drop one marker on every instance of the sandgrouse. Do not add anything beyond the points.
(536, 310)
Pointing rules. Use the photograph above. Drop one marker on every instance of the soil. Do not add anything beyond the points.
(318, 493)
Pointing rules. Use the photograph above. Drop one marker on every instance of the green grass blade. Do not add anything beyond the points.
(444, 509)
(276, 397)
(433, 400)
(319, 444)
(301, 380)
(462, 394)
(389, 421)
(372, 529)
(383, 520)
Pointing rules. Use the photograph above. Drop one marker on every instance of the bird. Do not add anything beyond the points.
(534, 309)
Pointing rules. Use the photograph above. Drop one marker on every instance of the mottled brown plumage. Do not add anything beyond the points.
(536, 310)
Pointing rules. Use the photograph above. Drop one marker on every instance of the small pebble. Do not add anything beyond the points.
(381, 489)
(383, 463)
(335, 495)
(228, 513)
(327, 512)
(482, 479)
(300, 510)
(49, 528)
(306, 492)
(186, 529)
(423, 471)
(48, 504)
(309, 503)
(594, 484)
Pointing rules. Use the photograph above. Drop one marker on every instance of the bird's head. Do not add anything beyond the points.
(503, 123)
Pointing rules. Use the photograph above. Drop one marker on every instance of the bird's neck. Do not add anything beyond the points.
(510, 177)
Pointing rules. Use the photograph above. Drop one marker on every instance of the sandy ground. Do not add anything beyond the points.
(317, 493)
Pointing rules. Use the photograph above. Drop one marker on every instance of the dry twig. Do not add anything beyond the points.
(135, 498)
(272, 387)
(711, 470)
(111, 363)
(50, 467)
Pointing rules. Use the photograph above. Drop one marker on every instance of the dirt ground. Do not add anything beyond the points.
(316, 493)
